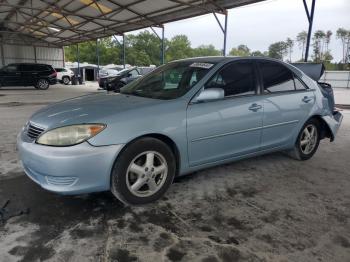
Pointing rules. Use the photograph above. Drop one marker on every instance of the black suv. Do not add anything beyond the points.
(40, 76)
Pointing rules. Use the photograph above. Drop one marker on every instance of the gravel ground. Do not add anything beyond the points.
(268, 208)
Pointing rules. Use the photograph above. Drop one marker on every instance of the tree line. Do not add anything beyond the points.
(144, 49)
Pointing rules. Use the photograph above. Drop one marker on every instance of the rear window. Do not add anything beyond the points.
(276, 77)
(43, 68)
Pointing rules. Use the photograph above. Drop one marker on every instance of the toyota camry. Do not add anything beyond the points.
(182, 117)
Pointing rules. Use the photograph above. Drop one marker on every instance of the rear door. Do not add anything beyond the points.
(27, 74)
(229, 127)
(287, 103)
(11, 76)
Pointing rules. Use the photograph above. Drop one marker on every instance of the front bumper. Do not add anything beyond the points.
(76, 169)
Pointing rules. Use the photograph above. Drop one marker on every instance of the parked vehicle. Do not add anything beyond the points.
(107, 73)
(115, 82)
(64, 75)
(41, 76)
(182, 117)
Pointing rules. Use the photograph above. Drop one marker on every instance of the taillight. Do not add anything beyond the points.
(54, 74)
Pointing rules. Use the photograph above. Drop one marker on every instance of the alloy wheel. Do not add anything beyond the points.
(308, 139)
(146, 174)
(42, 84)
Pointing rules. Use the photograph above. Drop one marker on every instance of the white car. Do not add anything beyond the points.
(64, 75)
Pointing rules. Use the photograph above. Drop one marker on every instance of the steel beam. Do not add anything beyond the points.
(78, 59)
(223, 29)
(98, 58)
(124, 38)
(35, 59)
(163, 47)
(162, 51)
(63, 57)
(2, 54)
(310, 17)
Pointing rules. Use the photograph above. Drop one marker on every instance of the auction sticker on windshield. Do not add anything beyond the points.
(202, 65)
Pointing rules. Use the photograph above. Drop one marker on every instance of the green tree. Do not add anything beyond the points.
(344, 36)
(318, 43)
(241, 50)
(178, 47)
(301, 39)
(257, 53)
(278, 50)
(205, 50)
(290, 45)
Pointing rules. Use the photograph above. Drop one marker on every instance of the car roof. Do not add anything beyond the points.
(218, 59)
(28, 64)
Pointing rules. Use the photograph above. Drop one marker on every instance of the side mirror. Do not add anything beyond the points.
(128, 75)
(210, 94)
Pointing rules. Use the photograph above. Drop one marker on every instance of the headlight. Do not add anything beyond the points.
(70, 135)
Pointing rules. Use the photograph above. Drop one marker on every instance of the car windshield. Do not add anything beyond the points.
(169, 81)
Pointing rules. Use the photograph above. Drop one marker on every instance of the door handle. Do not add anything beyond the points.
(306, 99)
(255, 107)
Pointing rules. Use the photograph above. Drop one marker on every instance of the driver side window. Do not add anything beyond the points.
(10, 68)
(235, 79)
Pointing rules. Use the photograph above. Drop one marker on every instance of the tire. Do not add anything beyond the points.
(150, 180)
(304, 147)
(118, 86)
(65, 80)
(42, 84)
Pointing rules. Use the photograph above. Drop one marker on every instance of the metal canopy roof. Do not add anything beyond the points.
(65, 22)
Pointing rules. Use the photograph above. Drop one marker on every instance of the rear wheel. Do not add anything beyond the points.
(42, 84)
(143, 172)
(65, 80)
(307, 141)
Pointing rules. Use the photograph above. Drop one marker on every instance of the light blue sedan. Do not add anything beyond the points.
(184, 116)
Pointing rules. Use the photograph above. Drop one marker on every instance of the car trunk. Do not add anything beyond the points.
(315, 72)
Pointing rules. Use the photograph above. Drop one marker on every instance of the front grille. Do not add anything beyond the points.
(34, 131)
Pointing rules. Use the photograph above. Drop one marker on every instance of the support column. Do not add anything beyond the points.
(124, 37)
(2, 54)
(35, 59)
(78, 59)
(63, 57)
(225, 33)
(98, 58)
(310, 17)
(223, 29)
(163, 51)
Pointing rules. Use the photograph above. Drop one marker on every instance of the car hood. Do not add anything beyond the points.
(96, 108)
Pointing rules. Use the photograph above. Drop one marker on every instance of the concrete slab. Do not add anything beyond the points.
(269, 208)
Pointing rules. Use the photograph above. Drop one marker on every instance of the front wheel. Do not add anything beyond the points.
(65, 80)
(143, 172)
(118, 86)
(307, 141)
(42, 84)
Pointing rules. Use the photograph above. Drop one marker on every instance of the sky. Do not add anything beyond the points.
(258, 25)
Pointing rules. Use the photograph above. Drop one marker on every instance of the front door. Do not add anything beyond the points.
(229, 127)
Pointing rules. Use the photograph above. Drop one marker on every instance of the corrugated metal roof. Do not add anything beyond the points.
(64, 22)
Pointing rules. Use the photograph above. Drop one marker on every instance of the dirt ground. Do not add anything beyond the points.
(268, 208)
